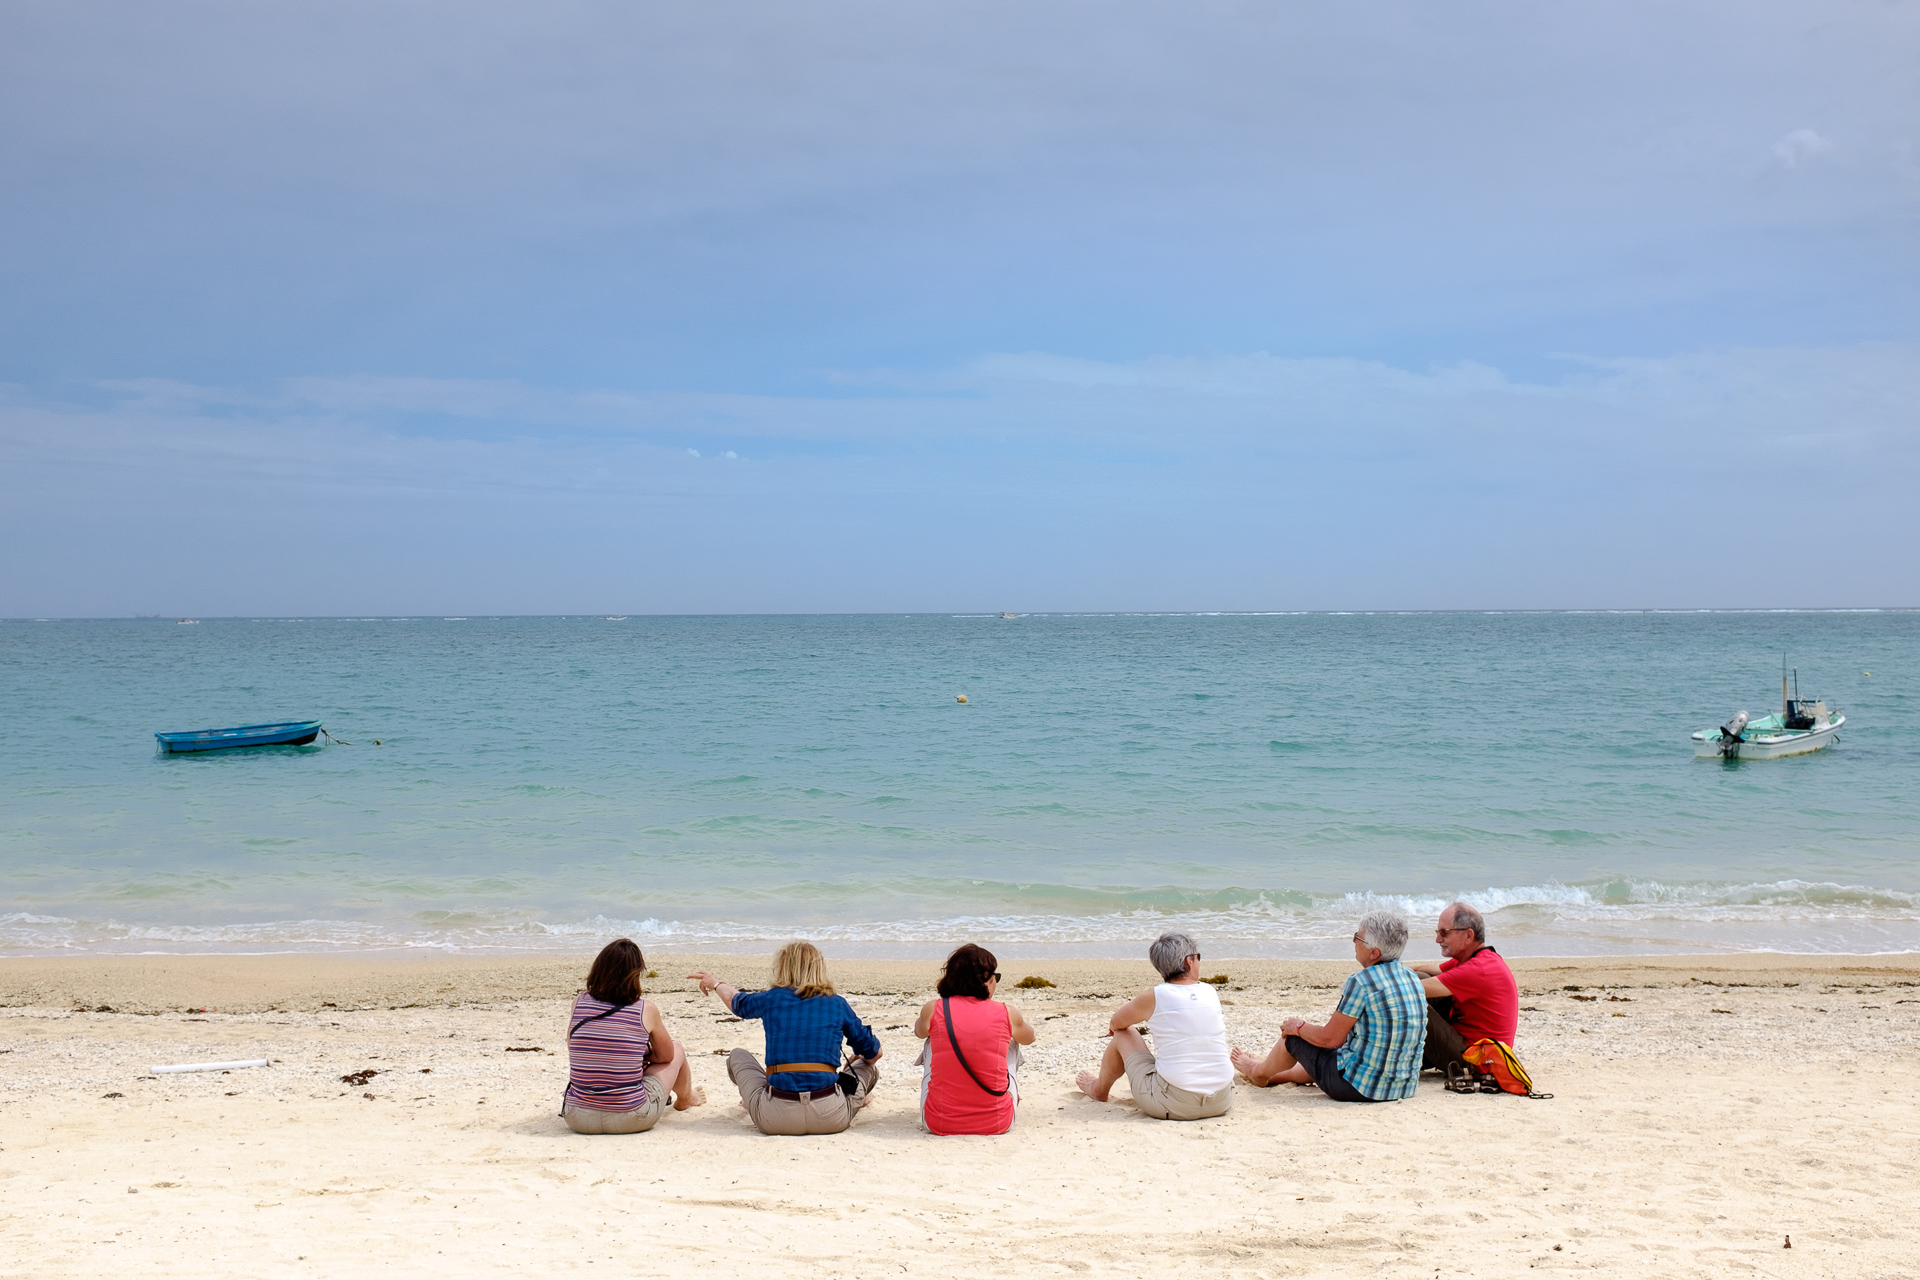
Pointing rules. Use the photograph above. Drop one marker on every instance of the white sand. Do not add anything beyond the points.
(1680, 1140)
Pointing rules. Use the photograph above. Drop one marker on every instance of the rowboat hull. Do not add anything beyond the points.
(1770, 746)
(285, 733)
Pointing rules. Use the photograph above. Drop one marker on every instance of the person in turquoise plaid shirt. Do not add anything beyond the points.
(1369, 1049)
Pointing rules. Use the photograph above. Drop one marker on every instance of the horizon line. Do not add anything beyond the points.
(976, 613)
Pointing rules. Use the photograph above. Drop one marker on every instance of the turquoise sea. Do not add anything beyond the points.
(729, 782)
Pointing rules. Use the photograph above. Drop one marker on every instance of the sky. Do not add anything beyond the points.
(415, 308)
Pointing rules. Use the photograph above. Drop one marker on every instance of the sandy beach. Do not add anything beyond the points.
(1705, 1110)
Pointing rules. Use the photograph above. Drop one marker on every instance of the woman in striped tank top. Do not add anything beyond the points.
(622, 1065)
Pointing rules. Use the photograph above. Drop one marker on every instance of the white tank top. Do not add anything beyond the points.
(1189, 1037)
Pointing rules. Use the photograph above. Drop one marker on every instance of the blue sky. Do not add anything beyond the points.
(414, 308)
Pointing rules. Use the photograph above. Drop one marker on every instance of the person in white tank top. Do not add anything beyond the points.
(1187, 1074)
(1189, 1036)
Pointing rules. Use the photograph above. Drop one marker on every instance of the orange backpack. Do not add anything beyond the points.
(1497, 1060)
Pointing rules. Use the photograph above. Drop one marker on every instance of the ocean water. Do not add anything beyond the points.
(727, 783)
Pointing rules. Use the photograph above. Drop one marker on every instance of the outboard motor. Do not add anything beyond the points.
(1730, 735)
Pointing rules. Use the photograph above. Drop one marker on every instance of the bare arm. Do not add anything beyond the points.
(1434, 987)
(1425, 970)
(1331, 1036)
(1132, 1013)
(714, 987)
(1022, 1029)
(659, 1043)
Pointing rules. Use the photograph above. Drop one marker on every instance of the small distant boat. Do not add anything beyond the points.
(1802, 725)
(285, 733)
(616, 617)
(187, 622)
(1009, 615)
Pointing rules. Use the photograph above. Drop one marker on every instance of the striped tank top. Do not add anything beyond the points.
(607, 1056)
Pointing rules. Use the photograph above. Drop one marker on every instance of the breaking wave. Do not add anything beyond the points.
(1613, 916)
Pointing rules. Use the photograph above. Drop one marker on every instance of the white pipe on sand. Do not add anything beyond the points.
(208, 1066)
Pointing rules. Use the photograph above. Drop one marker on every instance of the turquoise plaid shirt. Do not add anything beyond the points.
(1381, 1057)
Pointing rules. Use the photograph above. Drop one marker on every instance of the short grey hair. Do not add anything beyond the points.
(1386, 930)
(1169, 954)
(1465, 917)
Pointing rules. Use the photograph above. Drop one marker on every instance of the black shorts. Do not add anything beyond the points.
(1444, 1042)
(1324, 1066)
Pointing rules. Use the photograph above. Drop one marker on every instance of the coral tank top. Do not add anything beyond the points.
(955, 1104)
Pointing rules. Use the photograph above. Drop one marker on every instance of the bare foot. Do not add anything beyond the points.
(695, 1097)
(1249, 1066)
(1090, 1085)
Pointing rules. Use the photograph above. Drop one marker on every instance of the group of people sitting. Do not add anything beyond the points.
(1391, 1020)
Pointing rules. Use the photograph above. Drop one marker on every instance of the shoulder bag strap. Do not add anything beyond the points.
(595, 1018)
(946, 1016)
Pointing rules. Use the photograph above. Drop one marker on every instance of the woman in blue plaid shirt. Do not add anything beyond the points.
(800, 1089)
(1369, 1049)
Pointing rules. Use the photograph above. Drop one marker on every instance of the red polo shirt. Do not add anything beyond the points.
(1486, 999)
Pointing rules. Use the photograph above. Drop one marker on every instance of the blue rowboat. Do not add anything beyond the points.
(286, 733)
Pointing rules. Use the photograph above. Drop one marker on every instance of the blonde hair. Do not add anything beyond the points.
(801, 966)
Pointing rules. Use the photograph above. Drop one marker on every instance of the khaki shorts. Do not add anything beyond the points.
(828, 1111)
(642, 1118)
(1165, 1101)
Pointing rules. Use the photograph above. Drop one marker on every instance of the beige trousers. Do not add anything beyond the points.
(830, 1111)
(642, 1118)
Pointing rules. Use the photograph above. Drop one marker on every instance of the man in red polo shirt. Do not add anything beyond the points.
(1471, 995)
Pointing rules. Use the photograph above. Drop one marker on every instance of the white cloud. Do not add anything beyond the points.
(1247, 481)
(474, 187)
(1796, 148)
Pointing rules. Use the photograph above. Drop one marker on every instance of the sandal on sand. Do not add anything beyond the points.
(1462, 1078)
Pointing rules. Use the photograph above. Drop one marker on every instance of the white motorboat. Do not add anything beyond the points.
(1800, 725)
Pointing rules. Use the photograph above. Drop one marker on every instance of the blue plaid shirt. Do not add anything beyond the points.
(1381, 1057)
(807, 1030)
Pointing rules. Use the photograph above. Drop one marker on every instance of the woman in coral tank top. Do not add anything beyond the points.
(968, 1066)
